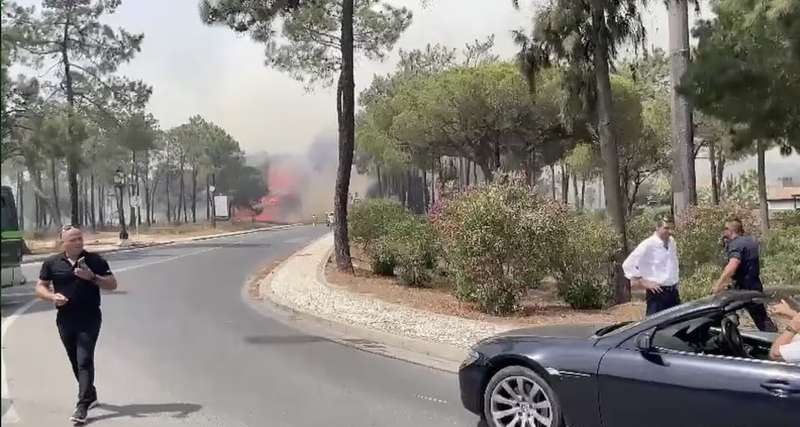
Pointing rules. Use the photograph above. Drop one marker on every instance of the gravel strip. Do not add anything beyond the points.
(299, 283)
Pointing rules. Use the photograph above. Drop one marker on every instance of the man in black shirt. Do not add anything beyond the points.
(744, 270)
(72, 280)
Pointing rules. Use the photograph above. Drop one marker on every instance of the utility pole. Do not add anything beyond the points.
(683, 173)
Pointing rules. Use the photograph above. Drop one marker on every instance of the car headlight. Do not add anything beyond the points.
(472, 357)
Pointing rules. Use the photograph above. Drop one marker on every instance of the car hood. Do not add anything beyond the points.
(552, 331)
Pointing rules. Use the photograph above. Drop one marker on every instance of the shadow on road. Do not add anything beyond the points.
(283, 339)
(175, 410)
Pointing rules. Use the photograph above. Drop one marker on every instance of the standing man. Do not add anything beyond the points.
(743, 270)
(653, 265)
(72, 280)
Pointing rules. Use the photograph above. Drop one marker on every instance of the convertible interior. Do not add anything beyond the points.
(724, 333)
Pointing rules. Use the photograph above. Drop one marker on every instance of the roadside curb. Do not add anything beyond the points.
(439, 356)
(39, 258)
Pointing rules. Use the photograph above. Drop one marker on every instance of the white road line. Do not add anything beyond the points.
(11, 416)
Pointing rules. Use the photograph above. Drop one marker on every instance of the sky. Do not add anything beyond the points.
(219, 74)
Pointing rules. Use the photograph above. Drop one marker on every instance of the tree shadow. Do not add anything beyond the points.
(142, 410)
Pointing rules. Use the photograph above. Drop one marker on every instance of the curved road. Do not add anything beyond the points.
(180, 346)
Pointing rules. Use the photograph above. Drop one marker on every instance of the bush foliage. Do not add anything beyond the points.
(496, 240)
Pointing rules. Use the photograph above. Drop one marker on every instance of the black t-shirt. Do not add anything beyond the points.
(748, 275)
(83, 295)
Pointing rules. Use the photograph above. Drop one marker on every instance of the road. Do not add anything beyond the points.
(181, 346)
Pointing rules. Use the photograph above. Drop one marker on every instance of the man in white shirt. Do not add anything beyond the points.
(786, 347)
(653, 265)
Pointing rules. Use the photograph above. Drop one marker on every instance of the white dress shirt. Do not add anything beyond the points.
(654, 262)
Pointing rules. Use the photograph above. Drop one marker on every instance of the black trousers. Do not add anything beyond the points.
(668, 297)
(758, 312)
(79, 337)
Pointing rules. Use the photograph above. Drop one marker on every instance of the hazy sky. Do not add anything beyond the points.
(214, 72)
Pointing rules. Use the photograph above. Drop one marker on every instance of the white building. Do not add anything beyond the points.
(783, 199)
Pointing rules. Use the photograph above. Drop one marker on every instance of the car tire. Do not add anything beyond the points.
(497, 400)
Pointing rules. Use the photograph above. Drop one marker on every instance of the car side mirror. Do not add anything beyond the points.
(644, 342)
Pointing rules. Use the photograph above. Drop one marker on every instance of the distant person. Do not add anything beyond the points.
(743, 270)
(314, 220)
(72, 280)
(786, 348)
(331, 219)
(653, 265)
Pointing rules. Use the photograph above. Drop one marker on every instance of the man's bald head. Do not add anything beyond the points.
(72, 241)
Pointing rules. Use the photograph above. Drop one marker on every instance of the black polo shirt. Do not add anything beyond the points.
(83, 295)
(748, 275)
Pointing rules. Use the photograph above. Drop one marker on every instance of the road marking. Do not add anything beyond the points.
(11, 416)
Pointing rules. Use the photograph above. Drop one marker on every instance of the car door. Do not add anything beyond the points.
(663, 387)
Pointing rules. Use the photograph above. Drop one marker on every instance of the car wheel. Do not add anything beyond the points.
(517, 397)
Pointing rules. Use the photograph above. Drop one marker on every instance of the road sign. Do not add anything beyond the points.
(136, 201)
(221, 207)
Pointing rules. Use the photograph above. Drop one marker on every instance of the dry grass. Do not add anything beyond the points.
(540, 306)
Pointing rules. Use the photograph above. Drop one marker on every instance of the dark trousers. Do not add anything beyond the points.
(79, 338)
(758, 312)
(667, 298)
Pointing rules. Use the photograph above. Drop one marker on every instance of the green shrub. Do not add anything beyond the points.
(495, 240)
(581, 263)
(382, 255)
(698, 285)
(698, 233)
(413, 243)
(780, 257)
(370, 219)
(642, 225)
(787, 219)
(587, 295)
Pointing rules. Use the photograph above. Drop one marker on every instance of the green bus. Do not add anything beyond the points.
(11, 242)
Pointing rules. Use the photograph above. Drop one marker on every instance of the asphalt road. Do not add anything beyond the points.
(180, 346)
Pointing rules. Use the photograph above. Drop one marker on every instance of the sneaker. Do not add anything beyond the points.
(79, 416)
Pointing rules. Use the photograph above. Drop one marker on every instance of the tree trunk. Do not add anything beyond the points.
(763, 207)
(486, 170)
(181, 192)
(720, 173)
(345, 101)
(553, 179)
(575, 191)
(169, 202)
(683, 173)
(475, 173)
(92, 203)
(583, 193)
(608, 147)
(208, 198)
(380, 181)
(496, 155)
(56, 215)
(21, 199)
(194, 194)
(469, 166)
(564, 183)
(712, 161)
(101, 203)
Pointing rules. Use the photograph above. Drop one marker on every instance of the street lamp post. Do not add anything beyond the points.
(212, 189)
(119, 184)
